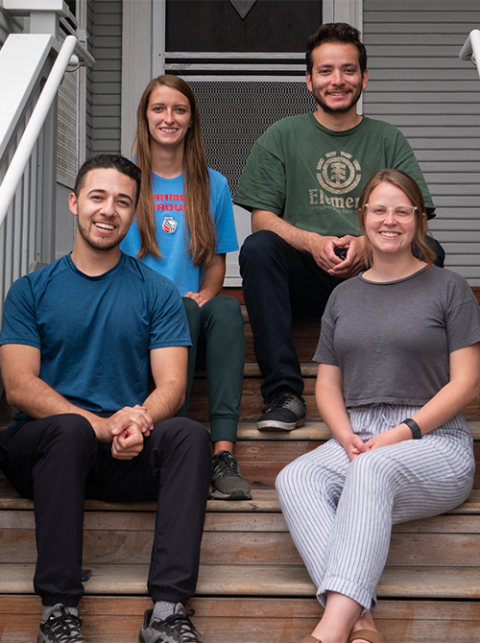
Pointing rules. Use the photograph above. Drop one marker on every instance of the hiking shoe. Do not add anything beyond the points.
(227, 482)
(284, 412)
(61, 627)
(177, 628)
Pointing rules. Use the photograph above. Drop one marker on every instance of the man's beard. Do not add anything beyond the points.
(341, 109)
(107, 244)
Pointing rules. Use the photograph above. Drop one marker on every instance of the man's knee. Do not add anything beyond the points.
(68, 429)
(181, 429)
(258, 247)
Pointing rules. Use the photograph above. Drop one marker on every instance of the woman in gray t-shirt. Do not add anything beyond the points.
(399, 358)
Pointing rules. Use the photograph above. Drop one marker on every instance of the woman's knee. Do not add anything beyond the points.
(373, 470)
(192, 310)
(223, 312)
(290, 480)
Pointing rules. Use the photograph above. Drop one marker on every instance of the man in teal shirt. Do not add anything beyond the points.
(302, 183)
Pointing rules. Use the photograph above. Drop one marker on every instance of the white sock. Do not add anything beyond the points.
(163, 609)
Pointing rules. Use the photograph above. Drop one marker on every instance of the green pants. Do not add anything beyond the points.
(217, 328)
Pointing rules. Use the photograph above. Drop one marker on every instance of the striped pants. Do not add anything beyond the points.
(340, 513)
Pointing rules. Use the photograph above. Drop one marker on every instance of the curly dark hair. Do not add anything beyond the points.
(336, 32)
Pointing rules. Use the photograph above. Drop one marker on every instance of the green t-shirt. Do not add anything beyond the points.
(313, 177)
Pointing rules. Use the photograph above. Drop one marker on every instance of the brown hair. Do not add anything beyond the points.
(198, 219)
(410, 188)
(336, 32)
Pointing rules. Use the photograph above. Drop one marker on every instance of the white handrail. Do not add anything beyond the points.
(471, 49)
(34, 126)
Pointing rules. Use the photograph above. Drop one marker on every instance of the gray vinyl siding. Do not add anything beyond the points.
(107, 76)
(89, 91)
(418, 83)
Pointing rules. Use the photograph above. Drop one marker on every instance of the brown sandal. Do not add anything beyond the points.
(367, 635)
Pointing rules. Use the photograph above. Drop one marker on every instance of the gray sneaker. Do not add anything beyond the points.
(177, 628)
(61, 627)
(284, 412)
(227, 481)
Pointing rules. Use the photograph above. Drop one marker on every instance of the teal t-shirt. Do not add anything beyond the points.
(95, 334)
(172, 235)
(313, 177)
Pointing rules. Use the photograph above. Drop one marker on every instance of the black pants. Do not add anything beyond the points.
(279, 283)
(58, 462)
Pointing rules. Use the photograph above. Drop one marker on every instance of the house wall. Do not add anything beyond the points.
(418, 83)
(106, 76)
(88, 151)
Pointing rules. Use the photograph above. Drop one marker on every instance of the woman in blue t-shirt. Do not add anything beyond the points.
(184, 226)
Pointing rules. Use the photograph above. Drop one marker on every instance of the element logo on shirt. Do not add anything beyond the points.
(169, 225)
(337, 173)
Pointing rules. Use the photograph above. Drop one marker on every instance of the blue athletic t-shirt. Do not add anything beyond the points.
(173, 240)
(95, 333)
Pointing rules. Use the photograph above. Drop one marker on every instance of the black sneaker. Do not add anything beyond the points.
(61, 627)
(227, 482)
(285, 412)
(177, 628)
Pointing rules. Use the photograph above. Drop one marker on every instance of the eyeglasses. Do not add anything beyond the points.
(401, 213)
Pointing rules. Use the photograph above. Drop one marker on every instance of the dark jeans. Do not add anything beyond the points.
(59, 462)
(216, 329)
(280, 282)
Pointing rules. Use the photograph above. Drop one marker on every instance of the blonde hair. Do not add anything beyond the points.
(410, 188)
(198, 219)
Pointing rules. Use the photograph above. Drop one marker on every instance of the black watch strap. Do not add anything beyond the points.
(414, 428)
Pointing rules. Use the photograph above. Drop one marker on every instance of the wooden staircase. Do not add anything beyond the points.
(253, 586)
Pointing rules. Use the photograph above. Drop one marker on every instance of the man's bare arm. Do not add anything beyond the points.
(169, 370)
(25, 390)
(320, 247)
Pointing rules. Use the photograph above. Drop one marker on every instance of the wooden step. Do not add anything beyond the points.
(262, 580)
(263, 501)
(240, 539)
(243, 620)
(239, 534)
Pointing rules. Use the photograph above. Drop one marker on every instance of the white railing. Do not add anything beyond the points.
(32, 66)
(34, 126)
(471, 49)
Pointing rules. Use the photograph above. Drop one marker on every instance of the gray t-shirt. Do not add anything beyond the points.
(392, 340)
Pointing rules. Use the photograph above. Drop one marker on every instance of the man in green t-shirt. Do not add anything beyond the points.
(302, 183)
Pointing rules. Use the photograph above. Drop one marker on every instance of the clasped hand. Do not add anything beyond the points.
(354, 445)
(126, 429)
(323, 251)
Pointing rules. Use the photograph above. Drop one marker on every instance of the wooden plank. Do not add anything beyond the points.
(237, 580)
(244, 620)
(243, 519)
(244, 607)
(247, 548)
